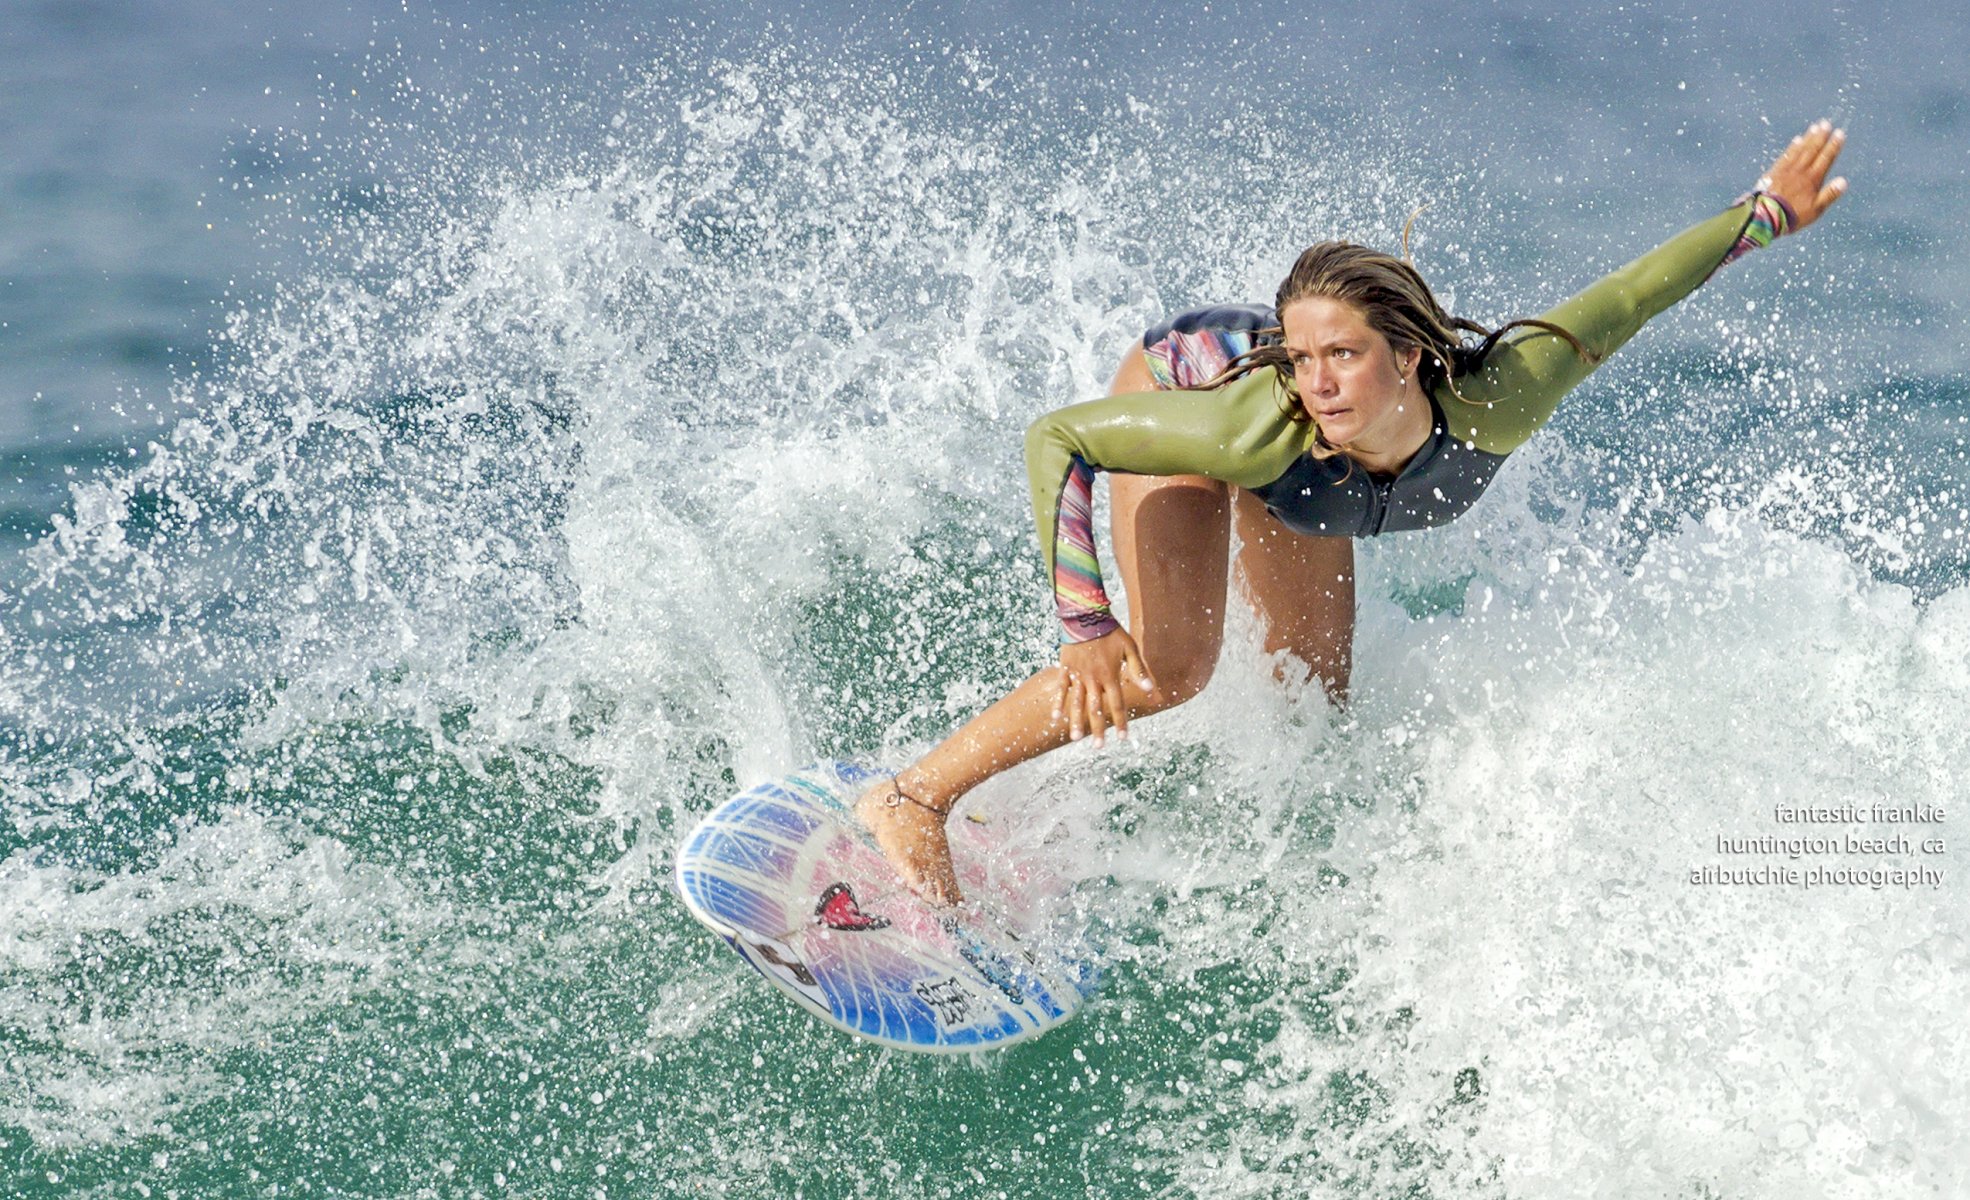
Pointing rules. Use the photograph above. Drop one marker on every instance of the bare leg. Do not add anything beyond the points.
(1172, 543)
(1303, 590)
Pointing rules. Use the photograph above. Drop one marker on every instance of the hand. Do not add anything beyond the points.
(1799, 175)
(1090, 693)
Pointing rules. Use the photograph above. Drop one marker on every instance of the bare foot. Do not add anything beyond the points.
(911, 836)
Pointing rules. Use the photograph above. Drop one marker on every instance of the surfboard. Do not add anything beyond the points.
(794, 884)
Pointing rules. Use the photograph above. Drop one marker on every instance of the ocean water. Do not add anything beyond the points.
(449, 450)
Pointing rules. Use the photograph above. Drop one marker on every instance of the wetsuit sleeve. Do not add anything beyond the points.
(1241, 433)
(1524, 378)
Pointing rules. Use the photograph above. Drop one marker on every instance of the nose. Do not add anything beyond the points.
(1317, 378)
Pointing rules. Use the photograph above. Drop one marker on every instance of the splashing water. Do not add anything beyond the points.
(346, 737)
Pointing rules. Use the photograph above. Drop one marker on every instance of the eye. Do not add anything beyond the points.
(1343, 352)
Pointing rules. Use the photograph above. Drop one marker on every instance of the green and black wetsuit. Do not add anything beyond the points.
(1245, 434)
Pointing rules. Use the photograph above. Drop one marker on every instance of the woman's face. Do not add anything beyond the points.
(1351, 381)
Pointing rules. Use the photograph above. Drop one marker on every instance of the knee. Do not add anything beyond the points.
(1176, 682)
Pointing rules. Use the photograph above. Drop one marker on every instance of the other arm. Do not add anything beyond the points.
(1524, 378)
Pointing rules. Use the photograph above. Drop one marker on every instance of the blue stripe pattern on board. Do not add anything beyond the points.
(743, 851)
(738, 906)
(778, 811)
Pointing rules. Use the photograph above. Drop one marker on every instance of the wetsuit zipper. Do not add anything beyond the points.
(1382, 493)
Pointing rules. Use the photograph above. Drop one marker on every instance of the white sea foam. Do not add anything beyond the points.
(1542, 773)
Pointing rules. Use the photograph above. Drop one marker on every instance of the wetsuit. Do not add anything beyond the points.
(1245, 433)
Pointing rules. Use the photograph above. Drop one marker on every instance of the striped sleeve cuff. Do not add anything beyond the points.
(1078, 595)
(1770, 219)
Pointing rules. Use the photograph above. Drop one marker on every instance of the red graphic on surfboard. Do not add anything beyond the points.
(838, 909)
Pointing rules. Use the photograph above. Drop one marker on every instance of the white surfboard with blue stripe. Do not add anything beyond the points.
(788, 877)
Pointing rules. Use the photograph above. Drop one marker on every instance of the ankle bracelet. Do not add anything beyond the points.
(897, 800)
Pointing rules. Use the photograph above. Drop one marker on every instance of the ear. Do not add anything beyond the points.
(1406, 360)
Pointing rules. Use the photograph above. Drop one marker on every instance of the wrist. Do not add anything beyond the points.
(1782, 217)
(1770, 218)
(1086, 626)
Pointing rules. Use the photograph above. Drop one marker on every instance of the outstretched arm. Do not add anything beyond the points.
(1523, 380)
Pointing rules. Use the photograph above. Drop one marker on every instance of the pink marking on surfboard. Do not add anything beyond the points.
(838, 909)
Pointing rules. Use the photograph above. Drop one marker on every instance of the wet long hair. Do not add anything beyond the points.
(1397, 304)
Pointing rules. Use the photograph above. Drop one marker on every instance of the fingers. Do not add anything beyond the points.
(1826, 148)
(1118, 710)
(1118, 705)
(1090, 692)
(1799, 176)
(1803, 153)
(1079, 702)
(1076, 711)
(1105, 706)
(1090, 707)
(1822, 147)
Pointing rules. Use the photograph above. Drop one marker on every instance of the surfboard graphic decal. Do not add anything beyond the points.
(838, 910)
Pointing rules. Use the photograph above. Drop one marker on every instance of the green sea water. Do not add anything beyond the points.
(346, 966)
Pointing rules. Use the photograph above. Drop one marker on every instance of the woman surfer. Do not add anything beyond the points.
(1352, 407)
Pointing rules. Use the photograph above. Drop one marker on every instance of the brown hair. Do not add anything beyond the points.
(1397, 304)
